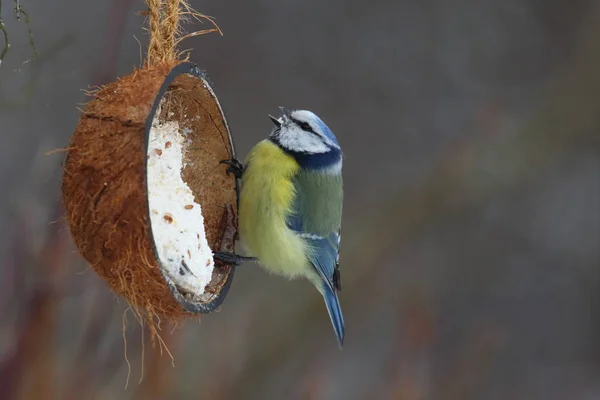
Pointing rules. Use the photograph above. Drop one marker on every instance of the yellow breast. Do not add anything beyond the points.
(265, 202)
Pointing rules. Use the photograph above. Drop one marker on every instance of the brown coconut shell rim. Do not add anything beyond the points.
(194, 70)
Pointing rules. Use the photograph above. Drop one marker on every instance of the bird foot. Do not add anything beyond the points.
(235, 167)
(230, 258)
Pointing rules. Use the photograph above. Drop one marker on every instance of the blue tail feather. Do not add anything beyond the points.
(335, 312)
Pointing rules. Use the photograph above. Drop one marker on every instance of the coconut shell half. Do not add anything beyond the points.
(110, 169)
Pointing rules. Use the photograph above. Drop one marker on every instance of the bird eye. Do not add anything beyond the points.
(305, 126)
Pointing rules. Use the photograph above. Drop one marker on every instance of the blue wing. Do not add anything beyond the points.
(316, 218)
(324, 256)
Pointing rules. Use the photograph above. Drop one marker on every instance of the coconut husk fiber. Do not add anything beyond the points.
(105, 193)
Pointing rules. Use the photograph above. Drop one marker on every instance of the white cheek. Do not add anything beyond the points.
(297, 140)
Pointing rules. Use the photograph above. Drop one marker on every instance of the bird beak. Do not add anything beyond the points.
(275, 121)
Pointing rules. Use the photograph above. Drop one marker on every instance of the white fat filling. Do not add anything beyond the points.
(176, 219)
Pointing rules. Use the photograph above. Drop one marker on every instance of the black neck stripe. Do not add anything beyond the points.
(308, 160)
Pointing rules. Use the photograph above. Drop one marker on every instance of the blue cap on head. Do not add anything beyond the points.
(326, 130)
(313, 119)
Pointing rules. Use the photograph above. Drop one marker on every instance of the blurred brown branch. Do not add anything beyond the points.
(160, 373)
(29, 370)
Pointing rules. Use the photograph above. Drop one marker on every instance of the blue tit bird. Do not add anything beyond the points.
(290, 208)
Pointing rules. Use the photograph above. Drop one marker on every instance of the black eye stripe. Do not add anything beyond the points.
(305, 126)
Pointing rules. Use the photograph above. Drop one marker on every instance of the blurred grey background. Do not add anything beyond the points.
(472, 216)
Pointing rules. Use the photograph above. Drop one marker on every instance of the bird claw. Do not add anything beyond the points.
(230, 258)
(235, 167)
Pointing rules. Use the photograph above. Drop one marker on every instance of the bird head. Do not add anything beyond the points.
(302, 131)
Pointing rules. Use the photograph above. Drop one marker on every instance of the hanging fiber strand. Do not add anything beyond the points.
(165, 17)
